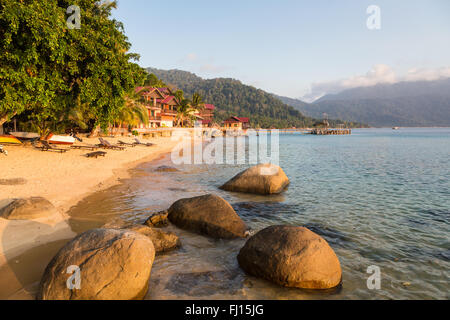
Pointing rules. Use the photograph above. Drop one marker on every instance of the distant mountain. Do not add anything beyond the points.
(231, 97)
(296, 103)
(421, 103)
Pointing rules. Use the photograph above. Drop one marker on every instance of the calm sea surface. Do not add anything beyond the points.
(379, 197)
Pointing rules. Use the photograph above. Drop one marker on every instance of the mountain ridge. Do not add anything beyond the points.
(233, 98)
(409, 104)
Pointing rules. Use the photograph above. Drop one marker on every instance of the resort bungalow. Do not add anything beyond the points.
(206, 115)
(168, 111)
(161, 106)
(235, 123)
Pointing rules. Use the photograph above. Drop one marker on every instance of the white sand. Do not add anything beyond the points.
(63, 179)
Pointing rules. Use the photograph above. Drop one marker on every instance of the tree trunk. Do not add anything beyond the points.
(95, 132)
(3, 119)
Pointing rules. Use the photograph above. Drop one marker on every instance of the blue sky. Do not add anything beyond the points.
(292, 48)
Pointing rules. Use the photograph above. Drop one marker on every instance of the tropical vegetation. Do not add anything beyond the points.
(52, 76)
(233, 98)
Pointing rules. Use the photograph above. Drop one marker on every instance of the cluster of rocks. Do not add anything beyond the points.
(116, 263)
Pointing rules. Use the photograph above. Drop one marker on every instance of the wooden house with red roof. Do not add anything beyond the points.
(161, 106)
(168, 112)
(206, 115)
(237, 123)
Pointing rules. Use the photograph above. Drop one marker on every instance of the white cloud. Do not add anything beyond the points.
(380, 73)
(190, 57)
(211, 68)
(201, 65)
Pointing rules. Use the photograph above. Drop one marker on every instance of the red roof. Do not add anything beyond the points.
(166, 99)
(236, 119)
(205, 121)
(147, 89)
(164, 90)
(209, 106)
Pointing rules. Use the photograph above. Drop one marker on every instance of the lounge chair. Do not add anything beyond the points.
(148, 144)
(47, 147)
(126, 144)
(84, 146)
(107, 145)
(95, 154)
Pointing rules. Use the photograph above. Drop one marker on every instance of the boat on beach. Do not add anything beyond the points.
(25, 135)
(9, 139)
(60, 139)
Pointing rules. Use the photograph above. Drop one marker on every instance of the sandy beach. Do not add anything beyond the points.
(63, 179)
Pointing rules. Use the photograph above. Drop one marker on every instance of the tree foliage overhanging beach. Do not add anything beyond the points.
(54, 74)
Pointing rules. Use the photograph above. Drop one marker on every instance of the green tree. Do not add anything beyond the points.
(153, 81)
(197, 102)
(132, 113)
(49, 69)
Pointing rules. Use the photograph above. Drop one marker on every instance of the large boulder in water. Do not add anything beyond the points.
(291, 256)
(163, 241)
(209, 215)
(261, 179)
(28, 208)
(113, 264)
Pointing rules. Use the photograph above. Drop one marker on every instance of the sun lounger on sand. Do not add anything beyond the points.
(47, 147)
(84, 146)
(95, 154)
(107, 145)
(138, 142)
(127, 144)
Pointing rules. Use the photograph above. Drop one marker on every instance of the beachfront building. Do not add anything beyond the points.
(205, 116)
(236, 123)
(161, 106)
(168, 111)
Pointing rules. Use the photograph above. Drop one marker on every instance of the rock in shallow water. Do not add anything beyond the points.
(157, 220)
(291, 256)
(28, 208)
(114, 264)
(162, 241)
(209, 215)
(260, 179)
(166, 169)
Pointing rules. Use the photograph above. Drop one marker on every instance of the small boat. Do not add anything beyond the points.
(59, 139)
(25, 135)
(395, 128)
(9, 139)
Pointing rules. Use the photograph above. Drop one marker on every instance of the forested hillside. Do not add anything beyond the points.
(232, 97)
(408, 104)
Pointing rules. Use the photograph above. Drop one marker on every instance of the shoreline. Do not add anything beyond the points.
(63, 187)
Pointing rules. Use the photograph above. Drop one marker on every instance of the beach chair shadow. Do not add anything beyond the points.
(48, 147)
(147, 144)
(107, 145)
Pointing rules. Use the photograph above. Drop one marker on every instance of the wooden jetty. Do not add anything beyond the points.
(329, 131)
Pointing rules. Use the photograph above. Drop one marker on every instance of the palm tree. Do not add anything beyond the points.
(133, 112)
(184, 111)
(197, 102)
(188, 107)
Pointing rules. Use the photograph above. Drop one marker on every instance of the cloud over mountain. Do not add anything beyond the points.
(379, 74)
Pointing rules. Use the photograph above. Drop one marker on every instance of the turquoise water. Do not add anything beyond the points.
(379, 197)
